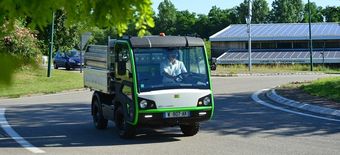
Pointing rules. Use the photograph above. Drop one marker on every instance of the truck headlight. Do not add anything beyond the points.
(143, 104)
(146, 104)
(206, 100)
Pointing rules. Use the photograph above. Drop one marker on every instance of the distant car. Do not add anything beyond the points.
(68, 60)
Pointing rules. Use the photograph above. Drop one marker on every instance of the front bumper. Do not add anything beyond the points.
(158, 119)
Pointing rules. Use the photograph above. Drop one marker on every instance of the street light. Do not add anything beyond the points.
(51, 48)
(310, 39)
(248, 21)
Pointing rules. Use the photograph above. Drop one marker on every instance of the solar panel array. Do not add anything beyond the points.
(279, 31)
(279, 56)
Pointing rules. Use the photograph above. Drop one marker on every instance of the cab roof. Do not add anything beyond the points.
(165, 41)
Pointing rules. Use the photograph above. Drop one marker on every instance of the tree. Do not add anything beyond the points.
(260, 11)
(332, 13)
(218, 18)
(66, 37)
(201, 26)
(242, 12)
(114, 14)
(185, 22)
(316, 13)
(287, 11)
(166, 17)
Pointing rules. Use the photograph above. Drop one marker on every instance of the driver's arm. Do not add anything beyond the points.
(164, 72)
(182, 67)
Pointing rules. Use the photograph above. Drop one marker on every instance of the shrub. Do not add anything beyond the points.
(20, 42)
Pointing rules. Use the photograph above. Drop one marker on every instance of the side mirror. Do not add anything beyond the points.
(125, 58)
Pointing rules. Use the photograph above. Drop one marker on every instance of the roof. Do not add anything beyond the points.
(278, 31)
(165, 41)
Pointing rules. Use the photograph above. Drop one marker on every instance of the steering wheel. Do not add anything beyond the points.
(181, 77)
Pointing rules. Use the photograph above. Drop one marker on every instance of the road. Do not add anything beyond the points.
(61, 124)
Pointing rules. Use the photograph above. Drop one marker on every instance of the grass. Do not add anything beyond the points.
(278, 68)
(325, 87)
(34, 81)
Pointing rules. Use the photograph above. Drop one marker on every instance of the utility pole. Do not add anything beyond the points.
(51, 48)
(248, 20)
(310, 38)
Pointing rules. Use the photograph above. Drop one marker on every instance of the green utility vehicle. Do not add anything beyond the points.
(151, 81)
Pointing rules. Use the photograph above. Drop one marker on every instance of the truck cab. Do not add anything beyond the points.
(151, 81)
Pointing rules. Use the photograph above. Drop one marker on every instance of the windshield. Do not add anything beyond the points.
(171, 68)
(73, 54)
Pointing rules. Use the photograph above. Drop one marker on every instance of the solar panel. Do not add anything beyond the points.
(279, 31)
(279, 56)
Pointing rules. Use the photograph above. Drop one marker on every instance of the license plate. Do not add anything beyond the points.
(176, 114)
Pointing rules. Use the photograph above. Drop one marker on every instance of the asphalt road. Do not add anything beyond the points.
(61, 124)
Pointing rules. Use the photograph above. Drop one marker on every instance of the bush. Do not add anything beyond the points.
(20, 42)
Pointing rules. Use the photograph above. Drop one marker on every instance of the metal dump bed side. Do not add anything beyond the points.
(96, 71)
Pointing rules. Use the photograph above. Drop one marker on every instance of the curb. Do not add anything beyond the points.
(271, 94)
(266, 74)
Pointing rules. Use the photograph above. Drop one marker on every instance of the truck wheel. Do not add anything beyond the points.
(125, 129)
(98, 119)
(190, 129)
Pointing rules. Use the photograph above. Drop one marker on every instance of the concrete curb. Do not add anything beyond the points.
(271, 94)
(266, 74)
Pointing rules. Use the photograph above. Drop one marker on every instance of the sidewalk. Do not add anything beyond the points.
(298, 99)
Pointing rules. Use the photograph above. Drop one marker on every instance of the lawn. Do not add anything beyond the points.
(35, 81)
(325, 87)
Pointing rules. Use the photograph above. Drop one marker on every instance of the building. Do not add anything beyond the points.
(277, 43)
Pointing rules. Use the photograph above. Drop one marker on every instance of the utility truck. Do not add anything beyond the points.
(151, 81)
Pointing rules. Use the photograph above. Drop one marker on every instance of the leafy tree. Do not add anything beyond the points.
(166, 18)
(113, 13)
(185, 22)
(260, 11)
(287, 11)
(66, 38)
(201, 26)
(242, 12)
(316, 13)
(332, 13)
(218, 18)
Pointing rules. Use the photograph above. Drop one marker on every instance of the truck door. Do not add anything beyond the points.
(124, 79)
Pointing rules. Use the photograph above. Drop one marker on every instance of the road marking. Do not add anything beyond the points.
(255, 97)
(15, 136)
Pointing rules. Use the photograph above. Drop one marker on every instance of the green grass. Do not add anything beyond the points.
(325, 87)
(278, 68)
(35, 81)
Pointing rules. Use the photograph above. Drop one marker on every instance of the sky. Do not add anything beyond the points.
(203, 6)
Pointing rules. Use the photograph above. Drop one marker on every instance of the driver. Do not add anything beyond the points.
(171, 68)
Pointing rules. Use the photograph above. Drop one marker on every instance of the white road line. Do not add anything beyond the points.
(258, 100)
(15, 136)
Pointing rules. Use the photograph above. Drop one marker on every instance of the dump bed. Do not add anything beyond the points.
(97, 68)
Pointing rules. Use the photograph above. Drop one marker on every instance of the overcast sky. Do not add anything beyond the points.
(203, 6)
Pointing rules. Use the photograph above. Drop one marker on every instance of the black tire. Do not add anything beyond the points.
(67, 66)
(98, 119)
(190, 129)
(125, 129)
(55, 66)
